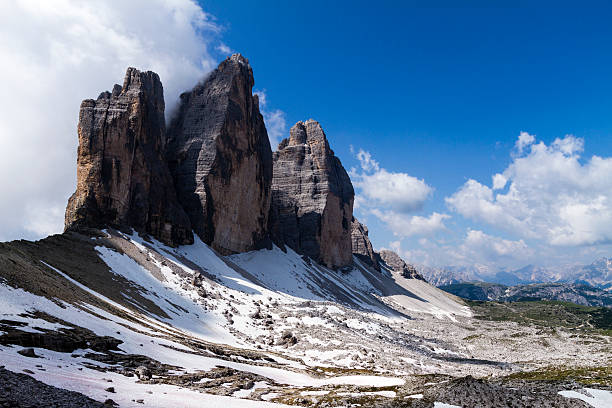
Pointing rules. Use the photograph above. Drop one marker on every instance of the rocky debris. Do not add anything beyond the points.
(110, 389)
(62, 340)
(218, 381)
(20, 390)
(28, 352)
(287, 339)
(394, 262)
(312, 197)
(469, 392)
(221, 161)
(361, 245)
(143, 373)
(122, 177)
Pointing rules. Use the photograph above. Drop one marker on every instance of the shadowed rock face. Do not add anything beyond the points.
(361, 245)
(393, 261)
(122, 177)
(220, 157)
(312, 197)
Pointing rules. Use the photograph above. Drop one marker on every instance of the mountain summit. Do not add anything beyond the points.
(220, 157)
(122, 176)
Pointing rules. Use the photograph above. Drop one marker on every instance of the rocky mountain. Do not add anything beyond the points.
(122, 176)
(277, 298)
(579, 294)
(597, 274)
(312, 196)
(450, 274)
(220, 157)
(361, 245)
(394, 262)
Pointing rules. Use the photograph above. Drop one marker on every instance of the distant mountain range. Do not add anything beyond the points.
(580, 294)
(598, 275)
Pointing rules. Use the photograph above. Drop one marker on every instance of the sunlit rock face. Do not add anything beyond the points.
(312, 197)
(220, 158)
(122, 176)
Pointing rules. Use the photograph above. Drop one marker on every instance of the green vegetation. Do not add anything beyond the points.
(583, 375)
(548, 314)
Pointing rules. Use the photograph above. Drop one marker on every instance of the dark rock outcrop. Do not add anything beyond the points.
(220, 157)
(312, 197)
(122, 177)
(361, 245)
(391, 260)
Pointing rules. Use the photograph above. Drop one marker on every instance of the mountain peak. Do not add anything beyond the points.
(122, 177)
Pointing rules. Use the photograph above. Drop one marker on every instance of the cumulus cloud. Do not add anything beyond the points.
(392, 196)
(524, 140)
(403, 225)
(553, 195)
(487, 253)
(499, 181)
(276, 123)
(56, 54)
(479, 245)
(399, 192)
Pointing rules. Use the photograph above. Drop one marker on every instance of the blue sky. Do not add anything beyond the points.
(425, 106)
(441, 94)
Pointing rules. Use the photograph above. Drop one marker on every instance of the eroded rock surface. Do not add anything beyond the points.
(394, 262)
(220, 157)
(361, 245)
(312, 197)
(122, 177)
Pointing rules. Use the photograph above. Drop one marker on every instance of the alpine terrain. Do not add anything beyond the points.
(198, 268)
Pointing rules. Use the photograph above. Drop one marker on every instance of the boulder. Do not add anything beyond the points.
(220, 158)
(361, 245)
(312, 197)
(122, 176)
(27, 352)
(394, 262)
(143, 373)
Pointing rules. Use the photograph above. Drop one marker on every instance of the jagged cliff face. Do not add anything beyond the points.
(312, 197)
(220, 158)
(393, 261)
(214, 172)
(122, 177)
(361, 245)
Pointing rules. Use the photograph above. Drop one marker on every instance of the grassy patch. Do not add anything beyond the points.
(547, 314)
(582, 375)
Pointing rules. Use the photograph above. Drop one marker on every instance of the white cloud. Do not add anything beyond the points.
(487, 253)
(56, 54)
(499, 181)
(399, 192)
(403, 225)
(524, 140)
(366, 161)
(223, 49)
(276, 123)
(479, 245)
(553, 196)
